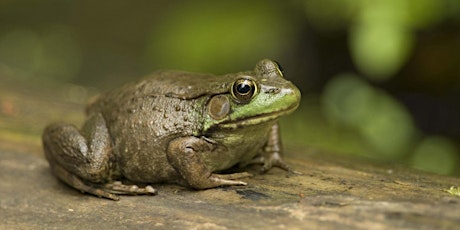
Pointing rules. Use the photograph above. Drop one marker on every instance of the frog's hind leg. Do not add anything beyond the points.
(80, 158)
(77, 183)
(85, 153)
(107, 190)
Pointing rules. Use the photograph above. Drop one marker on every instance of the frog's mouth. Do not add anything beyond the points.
(261, 118)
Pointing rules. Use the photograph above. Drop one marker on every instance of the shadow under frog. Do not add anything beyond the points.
(174, 127)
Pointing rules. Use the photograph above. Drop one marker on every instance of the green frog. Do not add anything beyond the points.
(174, 127)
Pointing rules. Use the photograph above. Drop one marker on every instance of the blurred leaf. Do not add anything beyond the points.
(346, 99)
(19, 49)
(380, 119)
(54, 53)
(380, 51)
(424, 13)
(216, 36)
(60, 55)
(435, 154)
(381, 32)
(330, 14)
(389, 127)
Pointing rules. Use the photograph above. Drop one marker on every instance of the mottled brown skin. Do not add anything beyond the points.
(174, 127)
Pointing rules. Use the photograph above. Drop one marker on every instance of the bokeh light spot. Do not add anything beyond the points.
(381, 120)
(51, 54)
(435, 154)
(219, 37)
(379, 51)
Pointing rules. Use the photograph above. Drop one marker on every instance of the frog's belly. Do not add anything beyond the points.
(147, 162)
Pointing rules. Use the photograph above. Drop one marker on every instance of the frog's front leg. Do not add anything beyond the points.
(184, 155)
(81, 158)
(272, 153)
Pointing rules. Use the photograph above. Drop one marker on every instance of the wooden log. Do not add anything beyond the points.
(334, 192)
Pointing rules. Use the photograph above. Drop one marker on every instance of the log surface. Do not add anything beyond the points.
(333, 192)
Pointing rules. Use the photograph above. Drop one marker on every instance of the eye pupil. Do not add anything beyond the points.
(243, 90)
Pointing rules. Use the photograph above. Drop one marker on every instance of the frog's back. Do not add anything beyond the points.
(177, 84)
(163, 104)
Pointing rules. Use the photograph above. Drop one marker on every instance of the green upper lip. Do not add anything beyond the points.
(264, 117)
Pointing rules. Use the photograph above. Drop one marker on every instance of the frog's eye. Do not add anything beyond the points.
(244, 89)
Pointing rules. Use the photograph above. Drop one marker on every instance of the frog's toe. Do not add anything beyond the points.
(117, 187)
(266, 167)
(276, 161)
(294, 172)
(233, 176)
(104, 194)
(99, 192)
(224, 182)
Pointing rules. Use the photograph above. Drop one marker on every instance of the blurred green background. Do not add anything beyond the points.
(379, 78)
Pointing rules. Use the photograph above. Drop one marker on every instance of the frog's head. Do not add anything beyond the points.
(252, 98)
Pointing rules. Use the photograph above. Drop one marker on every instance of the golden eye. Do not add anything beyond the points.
(244, 89)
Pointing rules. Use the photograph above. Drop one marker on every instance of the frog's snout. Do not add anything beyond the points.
(292, 95)
(296, 93)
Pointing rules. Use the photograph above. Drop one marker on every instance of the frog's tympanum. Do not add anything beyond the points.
(174, 127)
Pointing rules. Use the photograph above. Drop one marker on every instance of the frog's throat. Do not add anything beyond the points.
(261, 118)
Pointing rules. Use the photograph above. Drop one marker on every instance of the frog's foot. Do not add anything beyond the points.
(77, 183)
(273, 160)
(108, 191)
(117, 187)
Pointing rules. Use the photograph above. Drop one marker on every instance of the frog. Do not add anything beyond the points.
(175, 127)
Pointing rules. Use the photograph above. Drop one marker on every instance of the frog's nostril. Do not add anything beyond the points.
(273, 90)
